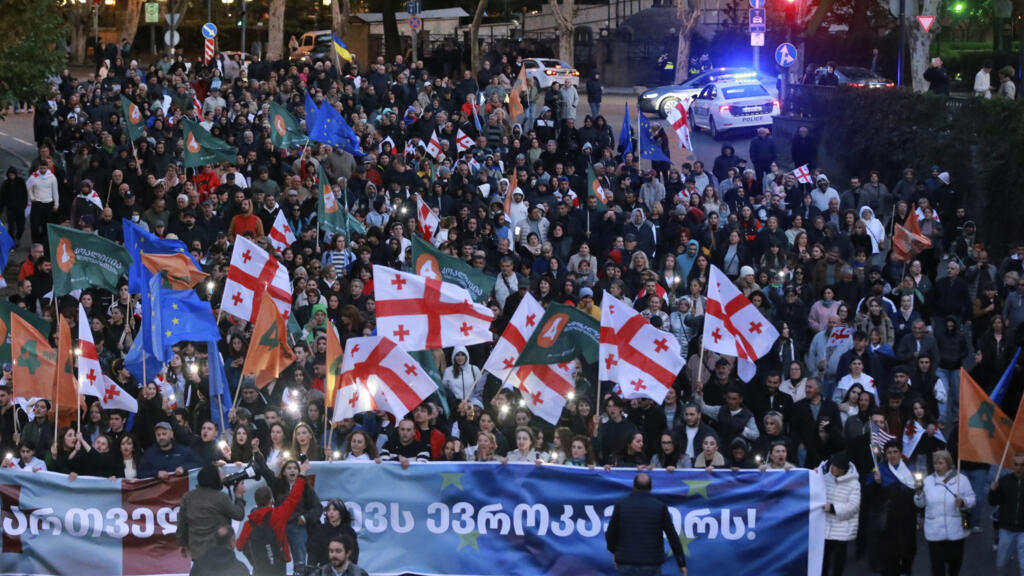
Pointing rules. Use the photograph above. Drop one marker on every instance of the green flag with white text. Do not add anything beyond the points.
(284, 129)
(82, 260)
(203, 148)
(563, 334)
(432, 263)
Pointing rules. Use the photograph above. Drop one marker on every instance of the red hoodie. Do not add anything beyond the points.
(279, 516)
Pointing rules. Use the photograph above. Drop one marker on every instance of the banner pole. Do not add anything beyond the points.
(238, 390)
(1006, 450)
(220, 402)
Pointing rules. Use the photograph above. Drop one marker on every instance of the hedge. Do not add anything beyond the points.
(979, 142)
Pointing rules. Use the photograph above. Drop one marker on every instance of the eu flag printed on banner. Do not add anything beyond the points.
(649, 149)
(330, 128)
(137, 241)
(625, 138)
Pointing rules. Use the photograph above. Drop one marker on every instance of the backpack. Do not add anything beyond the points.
(263, 550)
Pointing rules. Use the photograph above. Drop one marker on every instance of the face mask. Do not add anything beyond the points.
(135, 217)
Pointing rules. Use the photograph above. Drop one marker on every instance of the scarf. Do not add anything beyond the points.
(901, 473)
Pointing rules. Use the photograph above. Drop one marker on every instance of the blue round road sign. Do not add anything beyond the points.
(209, 30)
(785, 55)
(757, 3)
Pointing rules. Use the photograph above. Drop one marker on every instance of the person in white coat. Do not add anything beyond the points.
(842, 510)
(945, 496)
(461, 376)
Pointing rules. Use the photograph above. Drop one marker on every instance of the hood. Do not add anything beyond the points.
(12, 170)
(506, 182)
(518, 127)
(638, 211)
(458, 349)
(820, 178)
(729, 148)
(860, 212)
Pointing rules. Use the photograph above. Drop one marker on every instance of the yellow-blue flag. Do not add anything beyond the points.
(341, 48)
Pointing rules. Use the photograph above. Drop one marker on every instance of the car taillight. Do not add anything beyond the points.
(575, 72)
(724, 108)
(889, 85)
(776, 104)
(856, 84)
(550, 72)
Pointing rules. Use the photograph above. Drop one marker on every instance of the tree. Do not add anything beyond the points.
(474, 36)
(919, 40)
(687, 12)
(34, 32)
(340, 16)
(77, 16)
(131, 20)
(392, 39)
(565, 28)
(275, 30)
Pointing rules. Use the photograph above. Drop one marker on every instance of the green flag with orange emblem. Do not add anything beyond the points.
(203, 148)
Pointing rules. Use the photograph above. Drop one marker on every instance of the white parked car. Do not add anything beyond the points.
(723, 106)
(548, 71)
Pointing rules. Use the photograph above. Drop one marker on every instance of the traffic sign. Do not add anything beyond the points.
(926, 22)
(171, 37)
(785, 55)
(415, 7)
(415, 23)
(209, 30)
(152, 13)
(757, 20)
(172, 19)
(757, 3)
(757, 38)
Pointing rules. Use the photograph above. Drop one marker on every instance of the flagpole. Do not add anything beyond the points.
(1006, 450)
(220, 402)
(700, 365)
(78, 409)
(238, 390)
(56, 384)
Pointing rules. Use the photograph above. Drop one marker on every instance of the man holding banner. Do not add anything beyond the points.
(635, 532)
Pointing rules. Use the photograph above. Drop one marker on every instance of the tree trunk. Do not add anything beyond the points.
(78, 18)
(919, 42)
(131, 20)
(565, 26)
(275, 31)
(392, 39)
(340, 16)
(688, 16)
(474, 36)
(814, 22)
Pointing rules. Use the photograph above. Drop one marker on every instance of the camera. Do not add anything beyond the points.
(246, 473)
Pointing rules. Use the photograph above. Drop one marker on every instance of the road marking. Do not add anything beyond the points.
(16, 139)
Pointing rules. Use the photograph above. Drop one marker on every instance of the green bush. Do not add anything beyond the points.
(979, 142)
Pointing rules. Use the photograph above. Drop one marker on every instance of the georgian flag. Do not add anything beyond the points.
(377, 374)
(502, 360)
(803, 174)
(427, 220)
(546, 388)
(198, 107)
(94, 198)
(165, 388)
(89, 370)
(913, 432)
(732, 325)
(679, 120)
(388, 140)
(421, 314)
(462, 141)
(642, 359)
(434, 146)
(253, 273)
(113, 397)
(281, 235)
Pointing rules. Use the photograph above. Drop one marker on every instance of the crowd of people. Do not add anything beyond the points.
(867, 342)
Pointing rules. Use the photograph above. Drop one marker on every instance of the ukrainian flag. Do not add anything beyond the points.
(341, 48)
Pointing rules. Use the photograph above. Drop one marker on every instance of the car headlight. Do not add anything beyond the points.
(648, 96)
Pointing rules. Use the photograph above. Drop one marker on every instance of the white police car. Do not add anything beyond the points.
(723, 106)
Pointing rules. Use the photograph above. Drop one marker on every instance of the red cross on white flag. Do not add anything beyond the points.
(679, 120)
(420, 313)
(427, 220)
(89, 370)
(434, 145)
(253, 273)
(377, 374)
(545, 388)
(113, 397)
(732, 325)
(462, 141)
(642, 359)
(506, 351)
(803, 174)
(281, 235)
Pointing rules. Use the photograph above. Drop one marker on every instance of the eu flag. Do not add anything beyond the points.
(219, 393)
(625, 139)
(142, 363)
(175, 316)
(649, 149)
(137, 240)
(6, 244)
(311, 113)
(330, 128)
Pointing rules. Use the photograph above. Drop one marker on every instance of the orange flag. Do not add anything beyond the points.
(515, 105)
(65, 393)
(268, 353)
(907, 240)
(35, 361)
(985, 429)
(335, 355)
(182, 273)
(513, 183)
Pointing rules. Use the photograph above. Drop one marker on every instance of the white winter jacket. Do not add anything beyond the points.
(843, 494)
(942, 520)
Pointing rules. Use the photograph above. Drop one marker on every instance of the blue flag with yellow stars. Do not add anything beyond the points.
(649, 149)
(330, 128)
(173, 316)
(137, 241)
(311, 113)
(220, 394)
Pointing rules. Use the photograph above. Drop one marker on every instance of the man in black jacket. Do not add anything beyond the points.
(1008, 493)
(635, 531)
